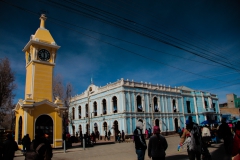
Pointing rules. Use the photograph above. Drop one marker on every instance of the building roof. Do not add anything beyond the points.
(185, 88)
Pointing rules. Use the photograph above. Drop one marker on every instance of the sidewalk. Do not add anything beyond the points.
(75, 147)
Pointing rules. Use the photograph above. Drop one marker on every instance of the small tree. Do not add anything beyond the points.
(7, 86)
(9, 118)
(64, 93)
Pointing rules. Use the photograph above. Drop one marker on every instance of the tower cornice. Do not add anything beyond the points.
(36, 41)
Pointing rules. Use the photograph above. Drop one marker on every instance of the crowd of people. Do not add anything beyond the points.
(196, 138)
(39, 148)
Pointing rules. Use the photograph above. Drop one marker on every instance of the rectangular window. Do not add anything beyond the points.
(213, 106)
(208, 117)
(205, 102)
(188, 107)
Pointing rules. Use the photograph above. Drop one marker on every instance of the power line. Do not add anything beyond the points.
(99, 10)
(140, 8)
(138, 32)
(223, 87)
(119, 47)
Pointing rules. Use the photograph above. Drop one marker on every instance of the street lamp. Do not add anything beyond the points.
(89, 121)
(88, 96)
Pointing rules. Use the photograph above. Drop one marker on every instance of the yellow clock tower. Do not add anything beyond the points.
(38, 112)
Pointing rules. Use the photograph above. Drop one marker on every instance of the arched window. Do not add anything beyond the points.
(86, 110)
(73, 113)
(188, 107)
(139, 103)
(174, 105)
(20, 130)
(87, 128)
(157, 122)
(155, 104)
(79, 112)
(105, 126)
(80, 129)
(104, 105)
(115, 124)
(73, 130)
(95, 108)
(114, 100)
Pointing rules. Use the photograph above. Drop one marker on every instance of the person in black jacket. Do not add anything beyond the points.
(157, 145)
(26, 141)
(140, 143)
(225, 133)
(9, 148)
(41, 146)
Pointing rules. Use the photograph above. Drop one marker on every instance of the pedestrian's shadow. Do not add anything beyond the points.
(177, 157)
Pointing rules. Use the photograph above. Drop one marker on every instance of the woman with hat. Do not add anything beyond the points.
(157, 145)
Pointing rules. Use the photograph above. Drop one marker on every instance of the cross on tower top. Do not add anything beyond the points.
(43, 19)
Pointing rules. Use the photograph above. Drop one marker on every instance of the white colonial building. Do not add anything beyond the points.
(119, 105)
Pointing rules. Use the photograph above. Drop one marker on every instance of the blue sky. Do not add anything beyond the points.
(190, 43)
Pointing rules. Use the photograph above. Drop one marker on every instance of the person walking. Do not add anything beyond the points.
(236, 141)
(206, 135)
(140, 143)
(179, 131)
(109, 134)
(9, 148)
(157, 145)
(149, 132)
(119, 136)
(146, 133)
(106, 135)
(123, 136)
(97, 134)
(26, 141)
(40, 145)
(194, 139)
(225, 133)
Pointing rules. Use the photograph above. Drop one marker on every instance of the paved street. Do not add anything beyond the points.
(126, 151)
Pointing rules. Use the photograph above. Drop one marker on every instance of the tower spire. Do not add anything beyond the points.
(43, 19)
(91, 80)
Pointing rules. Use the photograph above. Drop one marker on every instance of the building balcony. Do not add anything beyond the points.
(209, 110)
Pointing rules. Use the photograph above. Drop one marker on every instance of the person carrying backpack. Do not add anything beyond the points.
(192, 135)
(157, 145)
(40, 149)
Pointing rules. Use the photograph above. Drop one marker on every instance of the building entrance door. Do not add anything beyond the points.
(44, 124)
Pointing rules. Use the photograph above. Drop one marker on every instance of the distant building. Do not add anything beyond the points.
(233, 101)
(231, 108)
(119, 105)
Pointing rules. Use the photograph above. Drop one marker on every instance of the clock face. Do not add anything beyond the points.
(44, 55)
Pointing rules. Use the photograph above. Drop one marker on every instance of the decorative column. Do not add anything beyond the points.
(195, 106)
(129, 102)
(166, 104)
(110, 104)
(143, 104)
(159, 104)
(118, 103)
(124, 101)
(131, 127)
(210, 102)
(134, 104)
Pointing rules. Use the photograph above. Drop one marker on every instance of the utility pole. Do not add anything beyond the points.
(151, 107)
(88, 113)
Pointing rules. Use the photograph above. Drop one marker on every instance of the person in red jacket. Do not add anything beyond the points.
(236, 141)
